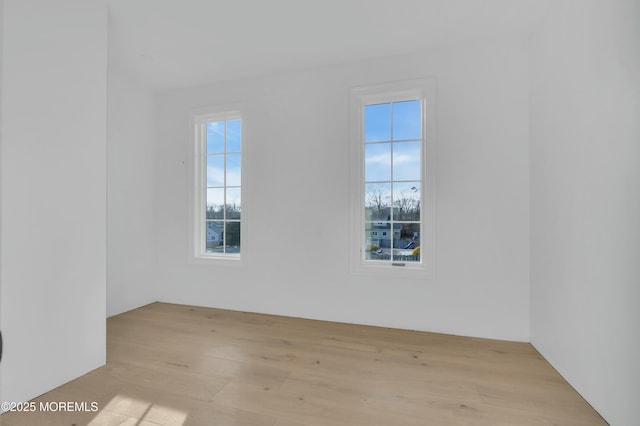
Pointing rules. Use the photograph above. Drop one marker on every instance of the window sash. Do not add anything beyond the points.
(393, 180)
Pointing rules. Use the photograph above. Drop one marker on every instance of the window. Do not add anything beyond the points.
(218, 195)
(393, 181)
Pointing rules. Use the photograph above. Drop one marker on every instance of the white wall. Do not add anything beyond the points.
(1, 79)
(585, 200)
(53, 193)
(131, 219)
(299, 197)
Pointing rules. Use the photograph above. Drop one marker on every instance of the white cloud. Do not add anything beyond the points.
(382, 159)
(215, 176)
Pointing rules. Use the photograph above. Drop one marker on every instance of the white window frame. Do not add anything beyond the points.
(198, 184)
(425, 90)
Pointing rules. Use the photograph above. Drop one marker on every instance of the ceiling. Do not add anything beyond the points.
(179, 43)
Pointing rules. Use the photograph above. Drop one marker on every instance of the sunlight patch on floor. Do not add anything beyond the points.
(132, 411)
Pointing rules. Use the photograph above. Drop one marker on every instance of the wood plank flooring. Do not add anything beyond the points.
(181, 365)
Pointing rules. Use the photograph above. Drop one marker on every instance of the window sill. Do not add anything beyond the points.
(213, 260)
(399, 269)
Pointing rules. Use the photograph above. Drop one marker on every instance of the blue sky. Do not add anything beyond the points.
(384, 125)
(217, 147)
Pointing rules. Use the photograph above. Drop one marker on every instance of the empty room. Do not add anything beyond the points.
(288, 212)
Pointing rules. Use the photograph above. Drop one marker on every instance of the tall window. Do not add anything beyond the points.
(392, 180)
(394, 172)
(218, 196)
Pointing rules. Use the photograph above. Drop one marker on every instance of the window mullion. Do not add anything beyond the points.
(203, 188)
(224, 192)
(391, 213)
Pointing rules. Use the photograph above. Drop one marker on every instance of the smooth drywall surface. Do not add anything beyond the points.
(53, 193)
(130, 203)
(1, 43)
(298, 197)
(585, 200)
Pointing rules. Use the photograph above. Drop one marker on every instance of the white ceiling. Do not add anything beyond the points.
(179, 43)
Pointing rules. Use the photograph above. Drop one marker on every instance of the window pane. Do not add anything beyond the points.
(214, 234)
(233, 136)
(377, 246)
(406, 161)
(406, 120)
(406, 201)
(215, 170)
(407, 243)
(377, 122)
(377, 201)
(215, 202)
(377, 162)
(233, 170)
(215, 137)
(232, 237)
(233, 203)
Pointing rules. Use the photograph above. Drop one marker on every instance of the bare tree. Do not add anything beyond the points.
(377, 200)
(407, 207)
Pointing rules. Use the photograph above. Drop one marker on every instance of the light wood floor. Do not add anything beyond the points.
(181, 365)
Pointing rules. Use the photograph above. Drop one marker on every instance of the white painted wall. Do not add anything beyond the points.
(585, 200)
(53, 193)
(298, 158)
(130, 206)
(1, 79)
